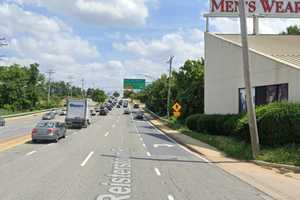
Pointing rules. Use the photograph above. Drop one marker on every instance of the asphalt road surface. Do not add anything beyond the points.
(116, 158)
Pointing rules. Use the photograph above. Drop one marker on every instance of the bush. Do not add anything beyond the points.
(213, 124)
(191, 121)
(278, 124)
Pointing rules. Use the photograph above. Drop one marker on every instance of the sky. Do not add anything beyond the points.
(104, 41)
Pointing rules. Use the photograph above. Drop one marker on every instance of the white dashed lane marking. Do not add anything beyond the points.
(87, 159)
(170, 197)
(106, 134)
(148, 154)
(30, 153)
(157, 172)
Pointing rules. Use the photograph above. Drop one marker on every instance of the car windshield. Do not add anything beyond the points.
(45, 125)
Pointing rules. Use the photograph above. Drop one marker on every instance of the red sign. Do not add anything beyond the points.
(275, 8)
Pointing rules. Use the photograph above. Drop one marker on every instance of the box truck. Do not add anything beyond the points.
(78, 115)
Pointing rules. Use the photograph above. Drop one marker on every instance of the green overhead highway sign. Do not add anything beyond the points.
(135, 85)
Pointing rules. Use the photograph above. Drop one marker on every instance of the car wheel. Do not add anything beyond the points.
(55, 140)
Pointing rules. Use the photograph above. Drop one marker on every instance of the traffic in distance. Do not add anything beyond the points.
(77, 114)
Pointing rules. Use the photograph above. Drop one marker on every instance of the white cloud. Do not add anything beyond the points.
(100, 13)
(184, 44)
(148, 57)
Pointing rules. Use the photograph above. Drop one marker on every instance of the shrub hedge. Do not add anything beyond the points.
(278, 124)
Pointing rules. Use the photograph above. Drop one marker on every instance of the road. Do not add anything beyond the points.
(115, 158)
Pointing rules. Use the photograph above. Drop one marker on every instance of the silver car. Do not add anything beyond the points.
(48, 130)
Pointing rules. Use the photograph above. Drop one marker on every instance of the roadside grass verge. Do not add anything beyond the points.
(238, 149)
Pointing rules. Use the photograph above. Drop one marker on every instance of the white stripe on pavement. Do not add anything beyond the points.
(30, 153)
(144, 145)
(170, 197)
(183, 147)
(148, 153)
(106, 134)
(157, 172)
(86, 159)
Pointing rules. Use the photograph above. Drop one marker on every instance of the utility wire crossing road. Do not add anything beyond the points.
(116, 158)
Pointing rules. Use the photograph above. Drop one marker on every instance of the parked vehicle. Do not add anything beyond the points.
(49, 116)
(78, 115)
(2, 121)
(136, 106)
(48, 130)
(118, 106)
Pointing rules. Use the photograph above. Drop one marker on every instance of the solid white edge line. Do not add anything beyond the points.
(106, 134)
(157, 171)
(30, 153)
(183, 147)
(170, 197)
(148, 153)
(86, 159)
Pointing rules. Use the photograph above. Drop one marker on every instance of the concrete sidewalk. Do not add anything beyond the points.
(278, 184)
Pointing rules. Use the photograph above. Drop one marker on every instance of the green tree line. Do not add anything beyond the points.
(187, 86)
(26, 88)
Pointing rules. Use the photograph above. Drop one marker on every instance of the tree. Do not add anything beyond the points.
(292, 30)
(187, 86)
(98, 96)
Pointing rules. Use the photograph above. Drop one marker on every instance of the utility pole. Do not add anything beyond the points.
(247, 79)
(170, 61)
(2, 44)
(71, 82)
(82, 88)
(50, 72)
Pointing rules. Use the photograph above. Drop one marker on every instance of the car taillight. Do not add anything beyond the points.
(50, 130)
(34, 131)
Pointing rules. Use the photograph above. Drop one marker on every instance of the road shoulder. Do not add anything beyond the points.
(278, 184)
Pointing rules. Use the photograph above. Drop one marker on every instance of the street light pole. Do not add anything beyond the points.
(82, 85)
(169, 86)
(50, 72)
(247, 79)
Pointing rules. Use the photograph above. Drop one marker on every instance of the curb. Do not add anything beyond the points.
(292, 168)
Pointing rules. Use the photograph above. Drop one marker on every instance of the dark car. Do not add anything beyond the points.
(109, 106)
(118, 106)
(139, 115)
(103, 111)
(136, 106)
(2, 121)
(49, 116)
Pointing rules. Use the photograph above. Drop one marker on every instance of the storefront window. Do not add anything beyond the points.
(264, 94)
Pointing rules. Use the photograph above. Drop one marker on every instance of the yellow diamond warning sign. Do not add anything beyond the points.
(177, 107)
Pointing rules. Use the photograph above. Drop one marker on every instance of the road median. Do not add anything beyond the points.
(277, 183)
(13, 142)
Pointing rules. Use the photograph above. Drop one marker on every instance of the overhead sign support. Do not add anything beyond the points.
(255, 9)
